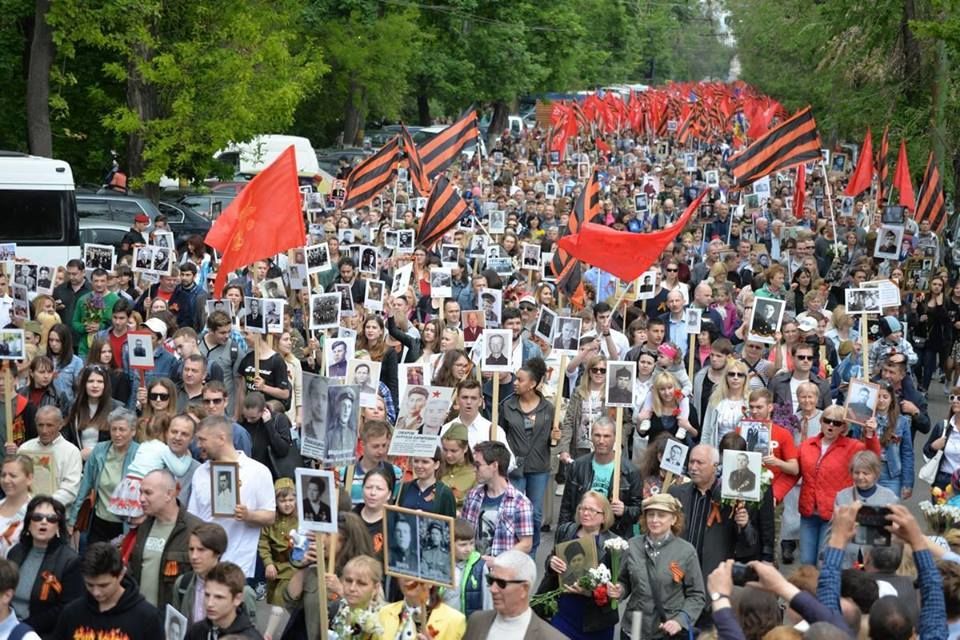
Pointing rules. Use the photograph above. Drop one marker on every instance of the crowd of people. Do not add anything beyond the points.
(143, 502)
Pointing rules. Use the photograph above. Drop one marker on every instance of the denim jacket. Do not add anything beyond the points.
(91, 474)
(897, 457)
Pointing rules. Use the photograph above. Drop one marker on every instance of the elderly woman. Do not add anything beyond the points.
(105, 468)
(825, 471)
(578, 616)
(661, 574)
(865, 469)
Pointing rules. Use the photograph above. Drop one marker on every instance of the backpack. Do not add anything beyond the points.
(20, 631)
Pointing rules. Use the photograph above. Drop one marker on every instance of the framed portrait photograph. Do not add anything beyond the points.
(892, 214)
(441, 282)
(365, 374)
(450, 255)
(674, 457)
(566, 335)
(692, 318)
(498, 222)
(140, 349)
(337, 352)
(752, 201)
(318, 258)
(220, 304)
(254, 317)
(401, 279)
(531, 256)
(497, 351)
(373, 295)
(551, 189)
(368, 260)
(862, 300)
(546, 321)
(273, 312)
(45, 276)
(839, 162)
(175, 624)
(712, 178)
(163, 239)
(99, 256)
(580, 555)
(412, 374)
(472, 326)
(741, 475)
(340, 427)
(640, 202)
(224, 488)
(316, 499)
(419, 545)
(491, 303)
(12, 345)
(143, 259)
(846, 206)
(689, 162)
(861, 401)
(502, 266)
(889, 240)
(312, 444)
(325, 310)
(647, 284)
(162, 263)
(272, 288)
(765, 319)
(406, 237)
(620, 378)
(757, 435)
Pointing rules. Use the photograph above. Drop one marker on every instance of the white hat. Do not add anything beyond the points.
(807, 324)
(157, 326)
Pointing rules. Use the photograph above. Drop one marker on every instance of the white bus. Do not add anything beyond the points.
(38, 208)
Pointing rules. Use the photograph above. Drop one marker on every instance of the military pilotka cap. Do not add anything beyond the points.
(457, 431)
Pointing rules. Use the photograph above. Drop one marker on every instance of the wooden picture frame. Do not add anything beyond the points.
(229, 471)
(429, 564)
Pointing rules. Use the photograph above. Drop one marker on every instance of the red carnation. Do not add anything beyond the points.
(600, 596)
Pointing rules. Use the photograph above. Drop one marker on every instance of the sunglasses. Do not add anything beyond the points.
(159, 396)
(833, 423)
(736, 374)
(501, 582)
(597, 370)
(799, 357)
(52, 518)
(213, 401)
(954, 398)
(672, 270)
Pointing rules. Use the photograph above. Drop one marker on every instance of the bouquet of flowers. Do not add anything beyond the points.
(941, 514)
(616, 547)
(93, 312)
(594, 583)
(355, 624)
(784, 416)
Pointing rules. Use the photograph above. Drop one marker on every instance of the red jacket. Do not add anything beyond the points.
(823, 478)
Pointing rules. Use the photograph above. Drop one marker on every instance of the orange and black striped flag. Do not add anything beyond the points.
(418, 178)
(789, 144)
(439, 152)
(881, 165)
(931, 206)
(373, 174)
(568, 269)
(444, 210)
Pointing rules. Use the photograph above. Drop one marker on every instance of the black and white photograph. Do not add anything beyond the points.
(861, 401)
(220, 304)
(419, 544)
(839, 162)
(401, 279)
(8, 250)
(272, 288)
(254, 318)
(412, 374)
(163, 239)
(346, 236)
(741, 475)
(762, 188)
(620, 378)
(368, 259)
(647, 285)
(224, 491)
(299, 279)
(862, 300)
(566, 336)
(546, 321)
(346, 299)
(316, 500)
(846, 207)
(174, 624)
(365, 374)
(491, 302)
(99, 256)
(401, 548)
(580, 555)
(674, 457)
(449, 255)
(45, 277)
(441, 282)
(162, 264)
(314, 415)
(143, 259)
(11, 344)
(640, 202)
(765, 319)
(373, 295)
(405, 240)
(325, 310)
(25, 275)
(498, 221)
(757, 435)
(689, 162)
(551, 189)
(892, 214)
(318, 257)
(497, 351)
(502, 266)
(273, 312)
(340, 434)
(692, 317)
(712, 178)
(478, 246)
(531, 256)
(140, 349)
(473, 326)
(21, 302)
(337, 352)
(390, 239)
(889, 240)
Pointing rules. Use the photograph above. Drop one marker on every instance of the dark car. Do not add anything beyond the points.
(208, 205)
(183, 220)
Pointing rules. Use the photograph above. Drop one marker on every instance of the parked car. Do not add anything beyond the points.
(97, 231)
(184, 221)
(207, 205)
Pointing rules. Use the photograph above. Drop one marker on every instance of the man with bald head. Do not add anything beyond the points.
(66, 455)
(702, 299)
(675, 320)
(161, 549)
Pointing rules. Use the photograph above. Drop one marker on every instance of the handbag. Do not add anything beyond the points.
(85, 513)
(928, 472)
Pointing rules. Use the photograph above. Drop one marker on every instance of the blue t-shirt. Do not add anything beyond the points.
(602, 477)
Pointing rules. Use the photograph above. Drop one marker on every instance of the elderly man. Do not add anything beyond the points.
(675, 321)
(161, 549)
(66, 455)
(511, 580)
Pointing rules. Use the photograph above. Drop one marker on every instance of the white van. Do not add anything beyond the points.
(38, 208)
(250, 158)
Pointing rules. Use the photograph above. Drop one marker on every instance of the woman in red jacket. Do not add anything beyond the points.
(825, 471)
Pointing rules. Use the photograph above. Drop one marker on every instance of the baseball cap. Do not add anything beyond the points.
(807, 324)
(158, 326)
(141, 218)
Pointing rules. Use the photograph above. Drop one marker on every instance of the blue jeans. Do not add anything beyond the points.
(534, 486)
(813, 537)
(894, 484)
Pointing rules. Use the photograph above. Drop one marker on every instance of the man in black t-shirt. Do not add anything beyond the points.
(271, 379)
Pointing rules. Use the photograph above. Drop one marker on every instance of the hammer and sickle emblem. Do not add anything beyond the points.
(244, 224)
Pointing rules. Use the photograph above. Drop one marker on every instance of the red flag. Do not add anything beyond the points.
(901, 180)
(263, 220)
(622, 253)
(863, 174)
(800, 192)
(601, 145)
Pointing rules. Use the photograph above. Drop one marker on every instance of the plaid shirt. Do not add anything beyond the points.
(514, 520)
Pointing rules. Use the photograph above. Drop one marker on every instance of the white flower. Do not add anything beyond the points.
(600, 575)
(618, 544)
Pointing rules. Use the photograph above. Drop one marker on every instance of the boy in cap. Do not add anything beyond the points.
(892, 341)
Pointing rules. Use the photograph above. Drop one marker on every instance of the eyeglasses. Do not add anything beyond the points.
(501, 582)
(736, 374)
(213, 401)
(159, 396)
(52, 518)
(954, 398)
(833, 423)
(799, 357)
(597, 370)
(669, 270)
(583, 509)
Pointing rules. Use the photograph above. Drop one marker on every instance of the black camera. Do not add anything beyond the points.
(872, 526)
(742, 574)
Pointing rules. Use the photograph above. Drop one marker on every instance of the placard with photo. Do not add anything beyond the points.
(889, 292)
(892, 214)
(368, 260)
(640, 203)
(757, 435)
(566, 335)
(316, 500)
(712, 178)
(674, 457)
(647, 284)
(450, 255)
(325, 310)
(299, 279)
(140, 349)
(318, 258)
(346, 299)
(689, 162)
(175, 624)
(491, 303)
(861, 401)
(621, 376)
(412, 444)
(162, 261)
(497, 351)
(741, 475)
(163, 239)
(862, 300)
(401, 279)
(531, 256)
(220, 304)
(473, 326)
(273, 311)
(45, 279)
(337, 352)
(373, 295)
(224, 488)
(365, 374)
(405, 240)
(418, 545)
(21, 302)
(99, 256)
(12, 346)
(692, 320)
(8, 250)
(546, 321)
(580, 555)
(441, 282)
(498, 222)
(412, 374)
(765, 319)
(888, 242)
(272, 288)
(254, 317)
(143, 259)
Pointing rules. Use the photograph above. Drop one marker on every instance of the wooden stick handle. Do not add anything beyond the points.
(558, 401)
(495, 409)
(617, 454)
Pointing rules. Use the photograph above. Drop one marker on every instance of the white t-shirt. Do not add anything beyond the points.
(510, 627)
(256, 492)
(794, 385)
(619, 339)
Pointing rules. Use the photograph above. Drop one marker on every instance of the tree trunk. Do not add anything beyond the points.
(39, 135)
(352, 115)
(423, 103)
(142, 100)
(911, 47)
(499, 122)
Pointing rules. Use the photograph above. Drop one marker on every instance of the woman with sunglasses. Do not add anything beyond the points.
(943, 437)
(728, 403)
(585, 406)
(670, 282)
(49, 567)
(578, 616)
(157, 402)
(825, 471)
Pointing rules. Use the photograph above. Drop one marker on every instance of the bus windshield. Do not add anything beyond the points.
(39, 216)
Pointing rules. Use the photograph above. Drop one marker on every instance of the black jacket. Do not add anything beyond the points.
(175, 559)
(242, 627)
(133, 618)
(758, 539)
(580, 480)
(62, 562)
